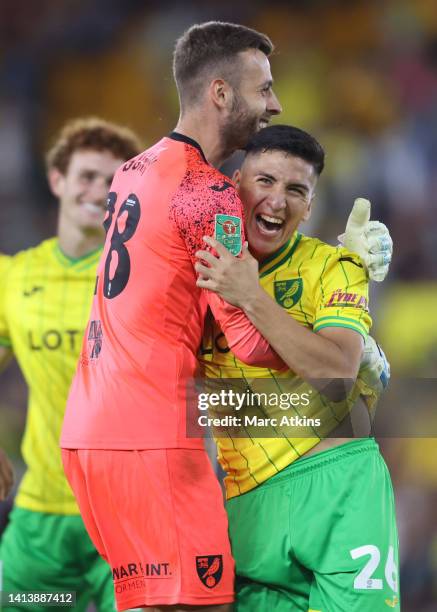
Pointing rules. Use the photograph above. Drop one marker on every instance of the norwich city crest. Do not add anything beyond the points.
(288, 292)
(210, 569)
(228, 232)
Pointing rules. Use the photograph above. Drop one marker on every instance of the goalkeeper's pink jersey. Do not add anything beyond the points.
(146, 322)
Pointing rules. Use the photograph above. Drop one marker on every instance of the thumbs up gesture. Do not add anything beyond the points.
(370, 240)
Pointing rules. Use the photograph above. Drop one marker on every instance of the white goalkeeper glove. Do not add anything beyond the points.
(371, 240)
(374, 374)
(374, 367)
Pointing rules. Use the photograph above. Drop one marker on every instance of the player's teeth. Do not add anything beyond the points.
(92, 207)
(271, 219)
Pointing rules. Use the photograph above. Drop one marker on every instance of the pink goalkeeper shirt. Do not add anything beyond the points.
(146, 323)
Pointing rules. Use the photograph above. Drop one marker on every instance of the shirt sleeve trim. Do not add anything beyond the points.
(352, 325)
(338, 318)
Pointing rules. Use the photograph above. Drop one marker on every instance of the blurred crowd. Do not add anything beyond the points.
(361, 76)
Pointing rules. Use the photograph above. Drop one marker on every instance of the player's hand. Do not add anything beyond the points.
(374, 367)
(235, 279)
(6, 475)
(371, 240)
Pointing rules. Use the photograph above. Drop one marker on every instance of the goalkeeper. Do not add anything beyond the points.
(312, 521)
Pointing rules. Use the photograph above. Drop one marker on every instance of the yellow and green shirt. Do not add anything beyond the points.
(45, 304)
(320, 286)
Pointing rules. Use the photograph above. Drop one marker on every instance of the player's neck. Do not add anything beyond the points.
(206, 135)
(76, 243)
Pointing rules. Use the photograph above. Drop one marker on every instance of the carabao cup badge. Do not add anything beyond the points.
(227, 231)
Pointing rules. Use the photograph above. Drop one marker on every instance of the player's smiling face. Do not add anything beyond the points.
(254, 101)
(277, 191)
(83, 189)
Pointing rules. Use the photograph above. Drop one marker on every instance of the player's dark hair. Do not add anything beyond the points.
(94, 134)
(210, 50)
(290, 140)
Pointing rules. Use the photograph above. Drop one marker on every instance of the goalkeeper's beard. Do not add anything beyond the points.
(240, 125)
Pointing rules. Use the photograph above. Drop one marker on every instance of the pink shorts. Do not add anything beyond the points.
(157, 517)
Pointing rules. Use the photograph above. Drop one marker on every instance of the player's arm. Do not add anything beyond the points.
(6, 472)
(193, 223)
(6, 475)
(243, 337)
(331, 352)
(5, 357)
(5, 341)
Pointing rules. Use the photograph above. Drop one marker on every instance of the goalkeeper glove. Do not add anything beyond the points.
(371, 240)
(374, 374)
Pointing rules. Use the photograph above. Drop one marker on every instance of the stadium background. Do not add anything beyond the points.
(360, 75)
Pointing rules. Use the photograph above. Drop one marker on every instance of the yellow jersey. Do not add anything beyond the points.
(319, 286)
(44, 309)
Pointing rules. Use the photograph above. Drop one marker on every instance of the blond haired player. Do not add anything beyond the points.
(45, 300)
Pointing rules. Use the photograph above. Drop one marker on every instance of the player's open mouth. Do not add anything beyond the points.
(263, 123)
(269, 225)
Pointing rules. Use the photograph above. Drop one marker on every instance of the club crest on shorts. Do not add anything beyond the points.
(210, 569)
(392, 603)
(227, 231)
(288, 292)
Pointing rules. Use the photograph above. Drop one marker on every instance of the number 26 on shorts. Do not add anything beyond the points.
(365, 579)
